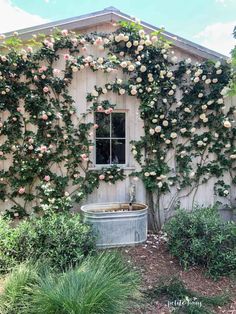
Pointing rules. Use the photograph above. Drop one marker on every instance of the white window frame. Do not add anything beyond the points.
(125, 111)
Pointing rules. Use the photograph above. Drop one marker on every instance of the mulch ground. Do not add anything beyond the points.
(154, 262)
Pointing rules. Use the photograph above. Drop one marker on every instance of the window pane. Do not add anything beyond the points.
(118, 124)
(103, 121)
(102, 152)
(118, 152)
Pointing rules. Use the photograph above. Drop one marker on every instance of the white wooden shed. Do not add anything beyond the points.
(84, 82)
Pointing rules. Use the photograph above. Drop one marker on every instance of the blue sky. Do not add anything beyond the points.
(208, 22)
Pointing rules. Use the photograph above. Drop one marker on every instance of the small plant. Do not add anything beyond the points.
(201, 238)
(183, 300)
(101, 284)
(62, 239)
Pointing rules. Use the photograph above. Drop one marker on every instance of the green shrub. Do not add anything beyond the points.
(101, 284)
(62, 239)
(201, 238)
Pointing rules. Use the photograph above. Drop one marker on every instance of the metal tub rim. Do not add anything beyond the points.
(88, 212)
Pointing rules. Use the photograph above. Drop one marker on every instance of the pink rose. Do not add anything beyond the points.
(64, 32)
(56, 71)
(50, 45)
(44, 116)
(83, 156)
(66, 56)
(99, 108)
(74, 41)
(108, 111)
(1, 153)
(42, 69)
(95, 126)
(30, 49)
(98, 41)
(101, 177)
(43, 148)
(21, 190)
(47, 178)
(46, 89)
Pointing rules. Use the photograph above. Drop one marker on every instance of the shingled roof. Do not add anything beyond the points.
(112, 14)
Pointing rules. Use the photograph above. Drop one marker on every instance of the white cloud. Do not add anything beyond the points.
(13, 18)
(218, 37)
(224, 2)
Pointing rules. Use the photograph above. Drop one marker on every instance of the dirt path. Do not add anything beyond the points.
(155, 262)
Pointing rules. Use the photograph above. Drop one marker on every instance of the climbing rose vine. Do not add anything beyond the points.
(188, 132)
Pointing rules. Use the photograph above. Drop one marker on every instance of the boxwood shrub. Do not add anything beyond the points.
(201, 238)
(61, 239)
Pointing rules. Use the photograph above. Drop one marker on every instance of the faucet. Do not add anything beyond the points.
(132, 193)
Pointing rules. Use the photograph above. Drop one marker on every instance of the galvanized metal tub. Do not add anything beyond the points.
(115, 225)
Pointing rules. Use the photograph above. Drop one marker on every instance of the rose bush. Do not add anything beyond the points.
(182, 105)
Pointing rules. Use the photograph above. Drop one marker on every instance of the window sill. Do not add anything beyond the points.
(126, 168)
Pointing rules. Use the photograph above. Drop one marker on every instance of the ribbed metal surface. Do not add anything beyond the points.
(114, 227)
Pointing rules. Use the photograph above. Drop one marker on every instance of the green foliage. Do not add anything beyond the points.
(188, 135)
(173, 290)
(13, 42)
(101, 284)
(15, 296)
(201, 238)
(62, 239)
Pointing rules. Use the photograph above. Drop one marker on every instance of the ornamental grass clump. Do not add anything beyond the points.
(101, 284)
(16, 295)
(61, 239)
(201, 238)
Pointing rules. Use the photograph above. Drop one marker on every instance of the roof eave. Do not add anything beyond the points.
(47, 29)
(114, 15)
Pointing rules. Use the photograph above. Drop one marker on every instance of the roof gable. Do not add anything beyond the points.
(112, 14)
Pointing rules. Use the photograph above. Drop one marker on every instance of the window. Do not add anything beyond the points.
(110, 138)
